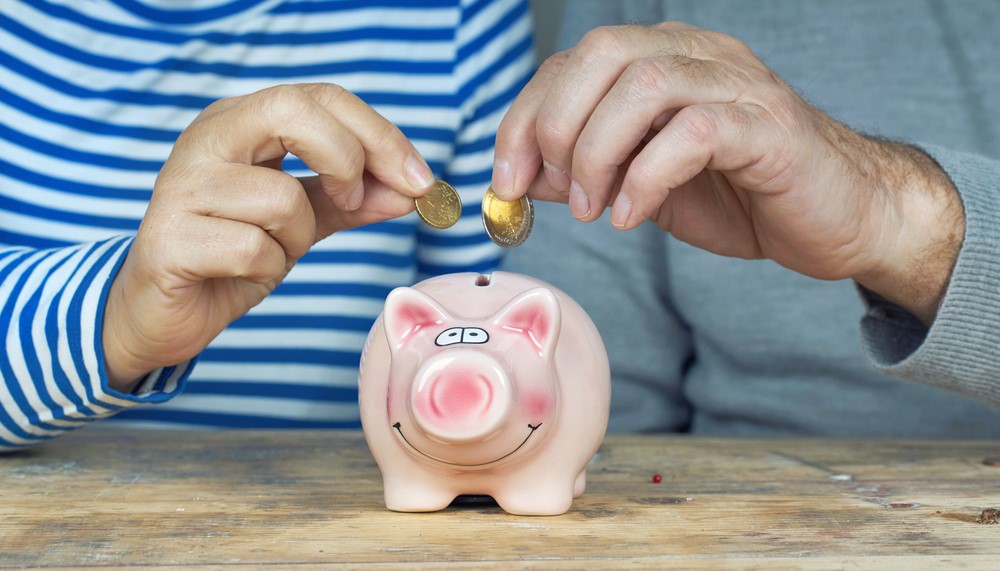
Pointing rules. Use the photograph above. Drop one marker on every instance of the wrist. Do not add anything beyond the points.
(124, 371)
(920, 232)
(121, 377)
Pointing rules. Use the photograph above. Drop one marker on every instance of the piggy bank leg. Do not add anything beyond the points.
(581, 483)
(539, 496)
(416, 493)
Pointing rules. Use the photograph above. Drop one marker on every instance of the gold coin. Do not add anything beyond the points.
(507, 223)
(441, 207)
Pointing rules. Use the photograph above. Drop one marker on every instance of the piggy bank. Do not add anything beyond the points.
(489, 385)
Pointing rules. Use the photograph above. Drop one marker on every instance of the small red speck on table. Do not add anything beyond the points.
(657, 478)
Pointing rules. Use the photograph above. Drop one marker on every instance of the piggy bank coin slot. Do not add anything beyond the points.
(483, 280)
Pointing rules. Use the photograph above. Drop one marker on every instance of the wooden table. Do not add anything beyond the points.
(234, 500)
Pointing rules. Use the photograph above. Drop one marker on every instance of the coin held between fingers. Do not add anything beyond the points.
(441, 207)
(507, 223)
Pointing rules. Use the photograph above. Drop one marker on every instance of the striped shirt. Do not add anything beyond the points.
(92, 96)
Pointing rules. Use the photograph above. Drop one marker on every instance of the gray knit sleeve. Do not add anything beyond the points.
(961, 349)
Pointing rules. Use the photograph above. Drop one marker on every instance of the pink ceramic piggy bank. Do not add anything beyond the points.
(490, 385)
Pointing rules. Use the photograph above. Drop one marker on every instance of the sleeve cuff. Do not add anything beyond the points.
(959, 351)
(158, 386)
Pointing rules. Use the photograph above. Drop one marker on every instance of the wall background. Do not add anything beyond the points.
(548, 17)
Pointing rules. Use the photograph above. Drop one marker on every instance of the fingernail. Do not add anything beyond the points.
(417, 172)
(503, 178)
(620, 211)
(579, 204)
(556, 178)
(356, 198)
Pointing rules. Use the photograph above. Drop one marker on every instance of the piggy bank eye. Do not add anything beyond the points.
(474, 335)
(449, 337)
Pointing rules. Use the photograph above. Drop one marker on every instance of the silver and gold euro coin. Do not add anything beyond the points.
(507, 223)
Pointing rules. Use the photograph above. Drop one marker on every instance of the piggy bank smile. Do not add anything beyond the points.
(463, 409)
(531, 429)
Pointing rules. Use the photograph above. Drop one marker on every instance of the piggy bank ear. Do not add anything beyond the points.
(534, 314)
(406, 312)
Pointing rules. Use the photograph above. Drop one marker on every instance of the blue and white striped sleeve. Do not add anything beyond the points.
(494, 59)
(52, 374)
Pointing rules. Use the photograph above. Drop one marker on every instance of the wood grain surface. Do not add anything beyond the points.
(312, 499)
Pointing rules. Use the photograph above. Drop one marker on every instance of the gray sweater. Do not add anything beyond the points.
(714, 345)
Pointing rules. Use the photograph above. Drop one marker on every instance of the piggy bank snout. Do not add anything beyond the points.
(460, 396)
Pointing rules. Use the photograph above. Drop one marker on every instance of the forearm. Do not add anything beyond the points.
(52, 376)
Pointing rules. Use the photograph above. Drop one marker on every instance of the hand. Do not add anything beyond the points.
(226, 224)
(690, 129)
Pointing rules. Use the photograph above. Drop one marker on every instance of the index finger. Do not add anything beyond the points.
(333, 131)
(389, 155)
(518, 159)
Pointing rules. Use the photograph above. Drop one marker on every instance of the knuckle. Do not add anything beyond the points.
(602, 42)
(648, 75)
(152, 230)
(716, 37)
(674, 26)
(217, 106)
(740, 121)
(553, 64)
(385, 135)
(282, 105)
(348, 164)
(588, 161)
(284, 198)
(256, 253)
(783, 107)
(697, 124)
(551, 134)
(643, 175)
(325, 93)
(730, 43)
(591, 167)
(353, 156)
(162, 237)
(190, 135)
(678, 37)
